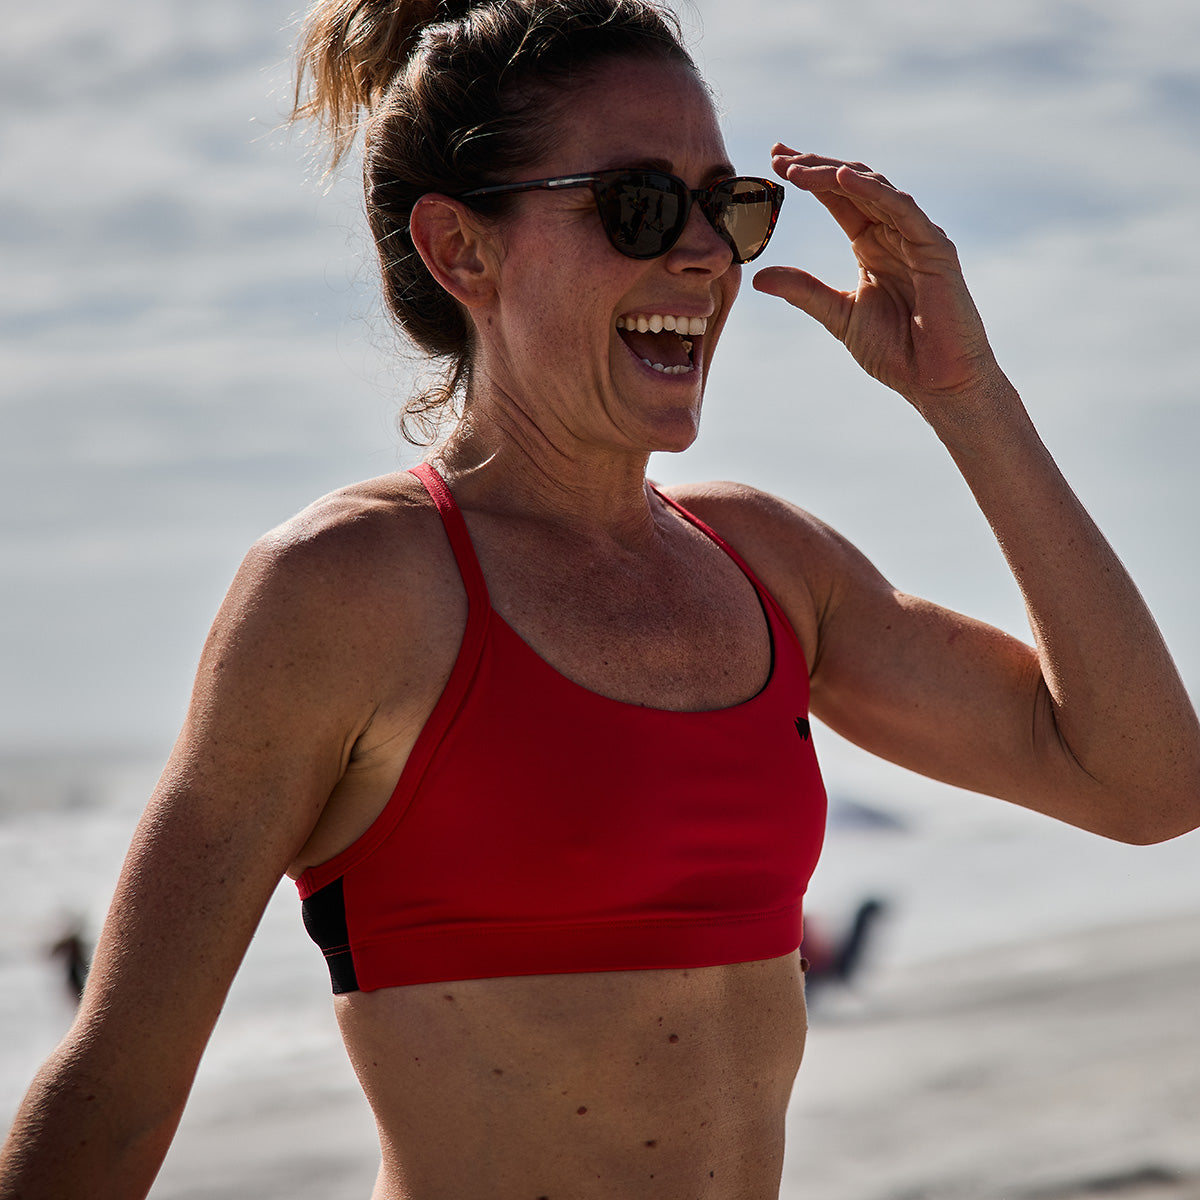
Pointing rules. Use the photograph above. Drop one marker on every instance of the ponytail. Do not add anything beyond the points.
(350, 51)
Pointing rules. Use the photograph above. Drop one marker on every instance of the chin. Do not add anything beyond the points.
(661, 420)
(674, 433)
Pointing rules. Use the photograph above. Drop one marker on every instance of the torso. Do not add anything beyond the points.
(683, 630)
(479, 1095)
(572, 1087)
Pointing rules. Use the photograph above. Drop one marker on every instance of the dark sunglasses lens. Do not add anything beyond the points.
(743, 212)
(643, 212)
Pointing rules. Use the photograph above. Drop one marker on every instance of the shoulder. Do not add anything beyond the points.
(773, 535)
(349, 551)
(360, 568)
(746, 510)
(769, 531)
(344, 536)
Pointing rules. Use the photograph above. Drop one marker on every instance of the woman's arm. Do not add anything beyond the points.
(1093, 725)
(276, 707)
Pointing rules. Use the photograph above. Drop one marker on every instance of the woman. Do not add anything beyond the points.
(564, 944)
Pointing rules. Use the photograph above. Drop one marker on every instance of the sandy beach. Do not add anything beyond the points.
(1060, 1070)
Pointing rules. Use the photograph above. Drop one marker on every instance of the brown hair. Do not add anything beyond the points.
(457, 95)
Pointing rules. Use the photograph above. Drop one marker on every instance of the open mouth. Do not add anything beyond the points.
(665, 343)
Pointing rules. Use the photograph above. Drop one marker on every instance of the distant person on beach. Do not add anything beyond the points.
(838, 959)
(72, 952)
(564, 944)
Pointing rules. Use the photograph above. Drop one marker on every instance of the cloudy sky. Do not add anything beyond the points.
(191, 350)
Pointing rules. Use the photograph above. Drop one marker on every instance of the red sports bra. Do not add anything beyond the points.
(539, 827)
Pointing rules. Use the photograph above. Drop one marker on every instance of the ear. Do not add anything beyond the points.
(456, 246)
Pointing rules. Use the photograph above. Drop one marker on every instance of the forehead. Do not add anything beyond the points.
(635, 112)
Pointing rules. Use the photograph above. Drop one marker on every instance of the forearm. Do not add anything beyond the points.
(1114, 745)
(1113, 700)
(75, 1135)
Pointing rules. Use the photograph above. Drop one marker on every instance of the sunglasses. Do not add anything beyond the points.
(644, 212)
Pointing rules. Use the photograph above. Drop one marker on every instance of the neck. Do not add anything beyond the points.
(511, 467)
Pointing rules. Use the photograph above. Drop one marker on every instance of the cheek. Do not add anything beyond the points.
(560, 307)
(731, 283)
(555, 329)
(560, 290)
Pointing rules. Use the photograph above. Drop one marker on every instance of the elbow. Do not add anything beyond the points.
(1155, 836)
(1147, 821)
(1138, 797)
(77, 1133)
(1145, 837)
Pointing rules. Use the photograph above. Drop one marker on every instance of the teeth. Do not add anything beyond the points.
(687, 326)
(668, 370)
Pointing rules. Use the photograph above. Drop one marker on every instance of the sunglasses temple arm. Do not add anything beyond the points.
(532, 185)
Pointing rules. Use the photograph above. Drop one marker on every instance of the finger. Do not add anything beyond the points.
(783, 157)
(807, 293)
(824, 179)
(889, 206)
(849, 212)
(858, 198)
(850, 216)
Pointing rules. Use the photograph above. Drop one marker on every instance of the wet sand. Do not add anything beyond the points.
(1063, 1070)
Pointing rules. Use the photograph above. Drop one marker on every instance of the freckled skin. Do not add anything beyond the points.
(589, 1084)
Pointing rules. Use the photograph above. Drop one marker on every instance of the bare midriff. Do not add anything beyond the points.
(665, 1084)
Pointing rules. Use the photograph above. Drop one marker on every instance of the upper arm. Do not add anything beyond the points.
(283, 689)
(918, 684)
(933, 690)
(302, 660)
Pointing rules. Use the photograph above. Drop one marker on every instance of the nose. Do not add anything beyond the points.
(700, 246)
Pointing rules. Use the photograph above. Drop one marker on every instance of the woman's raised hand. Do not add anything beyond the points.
(910, 321)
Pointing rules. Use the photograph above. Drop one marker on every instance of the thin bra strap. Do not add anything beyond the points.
(458, 535)
(764, 595)
(714, 536)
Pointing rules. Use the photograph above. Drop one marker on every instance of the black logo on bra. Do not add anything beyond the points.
(803, 728)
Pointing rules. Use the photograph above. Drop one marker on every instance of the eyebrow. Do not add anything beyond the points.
(721, 170)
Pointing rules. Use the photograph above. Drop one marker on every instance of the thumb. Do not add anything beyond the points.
(807, 293)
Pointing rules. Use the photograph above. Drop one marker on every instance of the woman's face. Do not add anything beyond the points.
(560, 340)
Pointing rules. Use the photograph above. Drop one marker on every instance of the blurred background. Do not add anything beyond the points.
(191, 349)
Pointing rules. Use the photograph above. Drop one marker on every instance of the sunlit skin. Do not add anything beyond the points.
(342, 626)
